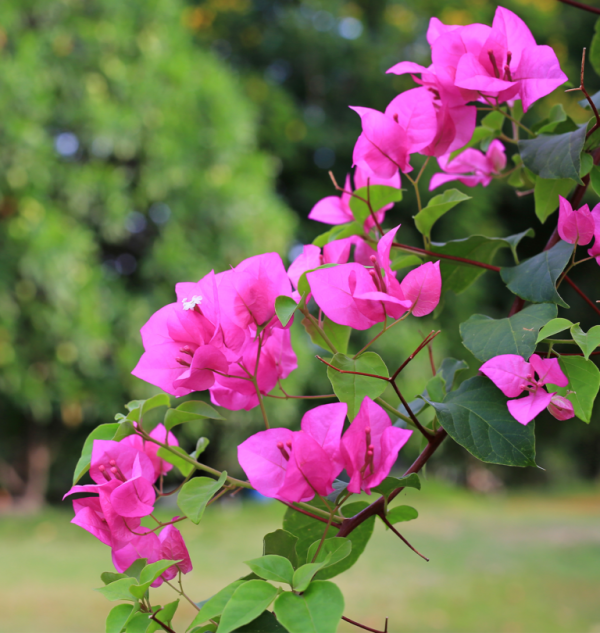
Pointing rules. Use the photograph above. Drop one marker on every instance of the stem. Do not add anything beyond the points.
(427, 340)
(462, 260)
(579, 5)
(582, 294)
(587, 96)
(511, 118)
(395, 531)
(261, 403)
(165, 627)
(356, 373)
(312, 512)
(314, 321)
(314, 558)
(385, 329)
(413, 417)
(392, 410)
(182, 593)
(362, 626)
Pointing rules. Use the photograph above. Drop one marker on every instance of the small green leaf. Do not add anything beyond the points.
(587, 342)
(545, 195)
(436, 388)
(594, 55)
(389, 484)
(201, 446)
(196, 493)
(266, 622)
(377, 195)
(118, 590)
(213, 607)
(584, 381)
(476, 417)
(352, 389)
(405, 261)
(159, 400)
(173, 458)
(595, 179)
(134, 404)
(553, 327)
(119, 616)
(135, 569)
(247, 603)
(102, 432)
(485, 337)
(339, 335)
(554, 157)
(272, 567)
(284, 309)
(436, 208)
(318, 610)
(151, 572)
(200, 408)
(125, 429)
(401, 513)
(164, 615)
(138, 624)
(109, 576)
(338, 233)
(304, 575)
(281, 543)
(535, 279)
(332, 551)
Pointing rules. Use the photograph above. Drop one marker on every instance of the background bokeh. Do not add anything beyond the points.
(147, 142)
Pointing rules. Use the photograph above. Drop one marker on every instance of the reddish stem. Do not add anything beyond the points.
(310, 514)
(361, 626)
(356, 373)
(421, 346)
(582, 294)
(395, 531)
(463, 260)
(580, 5)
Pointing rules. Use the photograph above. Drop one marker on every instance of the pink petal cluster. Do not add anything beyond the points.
(471, 167)
(352, 295)
(336, 210)
(576, 226)
(211, 337)
(513, 375)
(293, 466)
(124, 474)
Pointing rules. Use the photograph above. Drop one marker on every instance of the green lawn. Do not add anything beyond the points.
(514, 564)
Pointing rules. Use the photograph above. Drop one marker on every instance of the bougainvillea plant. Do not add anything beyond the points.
(229, 333)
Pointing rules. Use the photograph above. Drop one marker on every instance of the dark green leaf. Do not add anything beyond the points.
(436, 208)
(535, 279)
(102, 432)
(213, 607)
(196, 493)
(272, 567)
(477, 418)
(339, 335)
(185, 468)
(338, 487)
(545, 195)
(485, 337)
(584, 381)
(247, 603)
(436, 388)
(266, 622)
(594, 55)
(338, 232)
(352, 389)
(377, 195)
(587, 342)
(332, 551)
(285, 308)
(595, 179)
(389, 484)
(401, 513)
(118, 590)
(557, 156)
(318, 610)
(281, 543)
(457, 276)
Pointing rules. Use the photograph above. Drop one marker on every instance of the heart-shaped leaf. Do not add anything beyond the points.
(318, 610)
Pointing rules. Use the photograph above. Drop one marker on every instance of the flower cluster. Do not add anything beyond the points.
(222, 334)
(293, 466)
(513, 375)
(125, 473)
(579, 226)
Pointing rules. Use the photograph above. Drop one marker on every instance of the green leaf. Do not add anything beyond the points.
(134, 404)
(148, 575)
(213, 607)
(304, 575)
(125, 429)
(339, 335)
(201, 446)
(554, 157)
(185, 468)
(436, 388)
(196, 493)
(587, 342)
(332, 551)
(318, 610)
(164, 615)
(272, 567)
(281, 543)
(285, 308)
(109, 576)
(485, 337)
(457, 276)
(310, 530)
(436, 208)
(405, 261)
(352, 389)
(200, 408)
(553, 327)
(389, 484)
(135, 569)
(377, 195)
(102, 432)
(118, 590)
(247, 603)
(535, 279)
(587, 163)
(476, 417)
(119, 616)
(159, 400)
(595, 178)
(545, 195)
(338, 233)
(138, 624)
(401, 513)
(584, 380)
(266, 622)
(594, 55)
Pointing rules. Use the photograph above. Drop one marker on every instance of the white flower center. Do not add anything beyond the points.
(196, 300)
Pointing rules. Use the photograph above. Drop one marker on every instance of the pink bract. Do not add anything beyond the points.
(575, 226)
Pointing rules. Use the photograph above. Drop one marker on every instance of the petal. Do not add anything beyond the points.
(134, 498)
(423, 287)
(392, 440)
(539, 73)
(472, 75)
(548, 371)
(525, 409)
(561, 408)
(413, 110)
(330, 210)
(575, 227)
(325, 425)
(509, 372)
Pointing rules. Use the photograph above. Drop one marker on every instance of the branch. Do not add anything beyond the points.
(587, 96)
(421, 346)
(395, 531)
(362, 626)
(413, 417)
(579, 5)
(462, 260)
(582, 294)
(356, 373)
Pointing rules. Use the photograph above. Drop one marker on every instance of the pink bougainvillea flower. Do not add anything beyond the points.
(336, 210)
(471, 167)
(145, 546)
(159, 433)
(294, 466)
(351, 295)
(408, 125)
(575, 226)
(370, 447)
(172, 547)
(513, 375)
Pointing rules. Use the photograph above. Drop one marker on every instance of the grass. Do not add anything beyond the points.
(519, 563)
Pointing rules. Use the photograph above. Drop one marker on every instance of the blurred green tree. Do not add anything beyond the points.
(128, 161)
